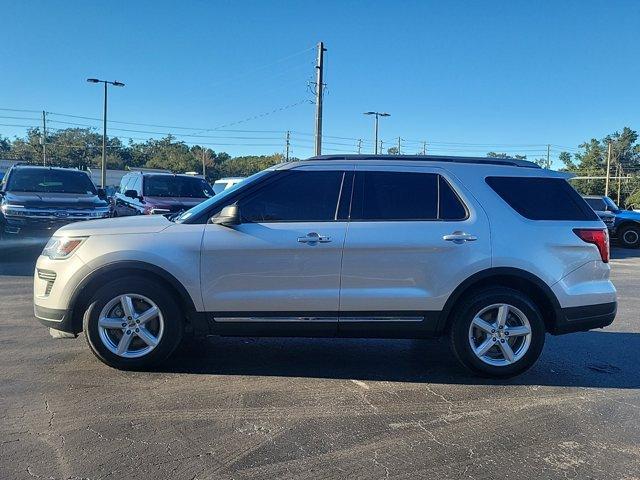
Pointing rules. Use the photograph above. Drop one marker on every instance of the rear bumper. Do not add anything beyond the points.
(54, 318)
(578, 319)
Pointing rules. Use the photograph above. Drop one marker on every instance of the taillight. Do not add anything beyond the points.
(599, 237)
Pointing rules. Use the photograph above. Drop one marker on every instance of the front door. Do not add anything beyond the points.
(279, 270)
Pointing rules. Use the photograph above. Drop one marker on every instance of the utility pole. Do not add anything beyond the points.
(424, 148)
(619, 170)
(287, 143)
(319, 86)
(606, 183)
(359, 145)
(381, 150)
(44, 138)
(204, 167)
(399, 139)
(548, 156)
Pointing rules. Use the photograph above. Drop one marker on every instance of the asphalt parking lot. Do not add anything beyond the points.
(304, 408)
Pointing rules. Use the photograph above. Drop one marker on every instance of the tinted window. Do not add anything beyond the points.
(451, 207)
(174, 186)
(297, 196)
(596, 203)
(404, 196)
(542, 198)
(50, 180)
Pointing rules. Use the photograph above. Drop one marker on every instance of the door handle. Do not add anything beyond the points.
(459, 237)
(313, 238)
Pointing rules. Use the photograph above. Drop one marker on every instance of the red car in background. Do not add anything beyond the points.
(159, 193)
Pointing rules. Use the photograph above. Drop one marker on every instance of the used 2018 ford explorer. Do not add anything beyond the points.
(494, 253)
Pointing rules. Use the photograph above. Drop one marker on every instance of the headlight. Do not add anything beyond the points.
(13, 210)
(58, 248)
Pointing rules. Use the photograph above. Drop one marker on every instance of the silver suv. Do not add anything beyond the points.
(494, 253)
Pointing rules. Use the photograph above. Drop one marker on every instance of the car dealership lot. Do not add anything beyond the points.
(307, 408)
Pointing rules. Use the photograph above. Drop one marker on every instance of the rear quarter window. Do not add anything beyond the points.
(539, 198)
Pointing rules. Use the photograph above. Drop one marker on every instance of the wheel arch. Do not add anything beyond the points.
(82, 293)
(513, 278)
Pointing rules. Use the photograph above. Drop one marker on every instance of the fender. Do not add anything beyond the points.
(133, 265)
(500, 273)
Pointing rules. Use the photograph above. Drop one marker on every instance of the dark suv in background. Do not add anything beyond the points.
(159, 193)
(622, 224)
(36, 201)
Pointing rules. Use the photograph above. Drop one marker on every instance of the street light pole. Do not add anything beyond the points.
(103, 172)
(375, 123)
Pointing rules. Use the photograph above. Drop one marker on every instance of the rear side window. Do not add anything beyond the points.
(404, 196)
(542, 198)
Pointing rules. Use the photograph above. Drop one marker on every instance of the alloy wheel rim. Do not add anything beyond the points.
(131, 325)
(630, 237)
(500, 334)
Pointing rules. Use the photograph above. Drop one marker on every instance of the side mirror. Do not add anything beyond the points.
(102, 194)
(131, 194)
(228, 216)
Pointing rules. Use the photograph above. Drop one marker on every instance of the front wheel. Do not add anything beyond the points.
(133, 323)
(497, 332)
(630, 236)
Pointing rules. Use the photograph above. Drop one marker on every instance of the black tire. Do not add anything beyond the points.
(629, 236)
(472, 305)
(152, 290)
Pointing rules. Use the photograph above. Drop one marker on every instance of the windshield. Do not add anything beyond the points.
(219, 197)
(50, 181)
(174, 186)
(611, 204)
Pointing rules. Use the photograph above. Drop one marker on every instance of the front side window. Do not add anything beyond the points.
(299, 196)
(174, 186)
(397, 196)
(45, 180)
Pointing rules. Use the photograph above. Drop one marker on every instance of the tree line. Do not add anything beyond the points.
(82, 148)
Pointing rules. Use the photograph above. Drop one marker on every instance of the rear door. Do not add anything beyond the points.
(414, 235)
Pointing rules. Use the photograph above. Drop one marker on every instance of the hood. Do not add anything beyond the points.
(116, 226)
(54, 200)
(628, 215)
(173, 203)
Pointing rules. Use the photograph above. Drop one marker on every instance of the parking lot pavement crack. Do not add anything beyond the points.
(378, 464)
(51, 413)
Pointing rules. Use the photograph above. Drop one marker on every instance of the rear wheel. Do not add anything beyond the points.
(133, 323)
(497, 332)
(630, 236)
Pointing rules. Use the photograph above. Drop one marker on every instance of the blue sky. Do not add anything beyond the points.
(467, 77)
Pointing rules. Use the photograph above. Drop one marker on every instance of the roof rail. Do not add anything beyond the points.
(513, 162)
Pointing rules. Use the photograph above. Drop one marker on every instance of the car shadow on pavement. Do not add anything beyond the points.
(595, 359)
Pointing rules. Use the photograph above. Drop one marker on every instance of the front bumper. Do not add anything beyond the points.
(578, 319)
(54, 318)
(53, 284)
